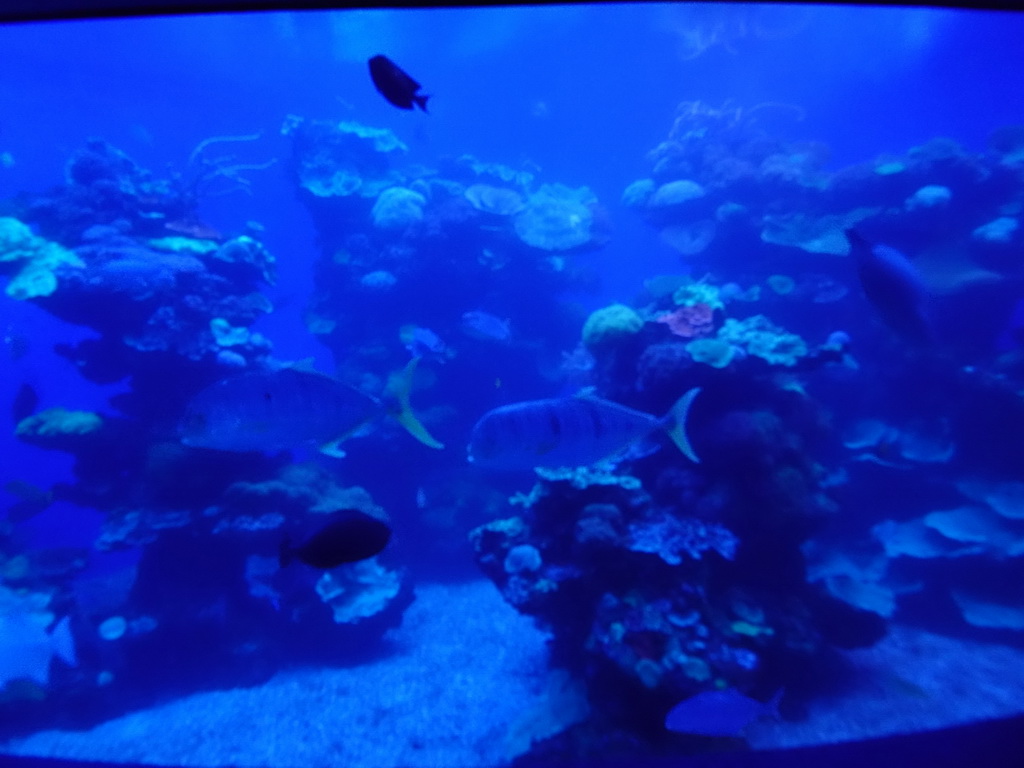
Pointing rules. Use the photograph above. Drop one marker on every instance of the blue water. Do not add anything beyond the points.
(579, 96)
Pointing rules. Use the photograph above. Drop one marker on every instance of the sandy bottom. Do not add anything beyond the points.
(469, 686)
(911, 681)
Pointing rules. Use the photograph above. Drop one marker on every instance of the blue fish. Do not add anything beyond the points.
(484, 326)
(893, 286)
(570, 432)
(725, 713)
(285, 409)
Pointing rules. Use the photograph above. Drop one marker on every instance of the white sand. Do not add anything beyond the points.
(469, 686)
(911, 681)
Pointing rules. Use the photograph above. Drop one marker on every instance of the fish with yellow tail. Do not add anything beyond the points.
(292, 407)
(570, 432)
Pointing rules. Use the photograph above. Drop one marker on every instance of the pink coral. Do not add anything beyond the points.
(692, 322)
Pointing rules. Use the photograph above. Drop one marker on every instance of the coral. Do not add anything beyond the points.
(760, 338)
(38, 261)
(670, 537)
(398, 208)
(497, 200)
(556, 218)
(823, 234)
(248, 259)
(611, 326)
(359, 591)
(675, 194)
(698, 292)
(690, 322)
(342, 159)
(999, 230)
(717, 353)
(930, 196)
(638, 193)
(58, 428)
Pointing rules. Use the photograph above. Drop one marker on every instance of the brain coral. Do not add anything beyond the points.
(397, 208)
(611, 325)
(556, 218)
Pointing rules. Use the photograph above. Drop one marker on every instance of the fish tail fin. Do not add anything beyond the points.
(284, 552)
(399, 386)
(421, 102)
(63, 642)
(675, 424)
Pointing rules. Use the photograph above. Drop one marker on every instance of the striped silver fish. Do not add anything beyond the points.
(569, 432)
(287, 408)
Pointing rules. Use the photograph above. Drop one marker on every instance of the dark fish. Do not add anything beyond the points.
(395, 85)
(893, 286)
(569, 432)
(280, 410)
(718, 713)
(25, 402)
(350, 537)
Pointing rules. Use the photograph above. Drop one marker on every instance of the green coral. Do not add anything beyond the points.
(759, 337)
(714, 352)
(227, 335)
(38, 260)
(611, 325)
(57, 422)
(187, 245)
(696, 292)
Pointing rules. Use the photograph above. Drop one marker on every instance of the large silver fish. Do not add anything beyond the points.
(288, 408)
(569, 432)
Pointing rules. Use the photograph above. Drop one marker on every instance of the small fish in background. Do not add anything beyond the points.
(421, 498)
(484, 326)
(724, 714)
(26, 648)
(25, 402)
(570, 432)
(894, 286)
(424, 343)
(395, 85)
(350, 537)
(289, 408)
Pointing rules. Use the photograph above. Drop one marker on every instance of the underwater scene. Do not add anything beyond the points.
(509, 386)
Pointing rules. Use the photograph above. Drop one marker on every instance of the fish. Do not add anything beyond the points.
(423, 342)
(350, 537)
(724, 713)
(25, 403)
(26, 648)
(894, 286)
(291, 407)
(484, 326)
(570, 432)
(395, 85)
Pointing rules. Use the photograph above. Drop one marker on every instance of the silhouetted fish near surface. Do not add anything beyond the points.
(893, 286)
(288, 408)
(570, 432)
(725, 713)
(395, 85)
(350, 537)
